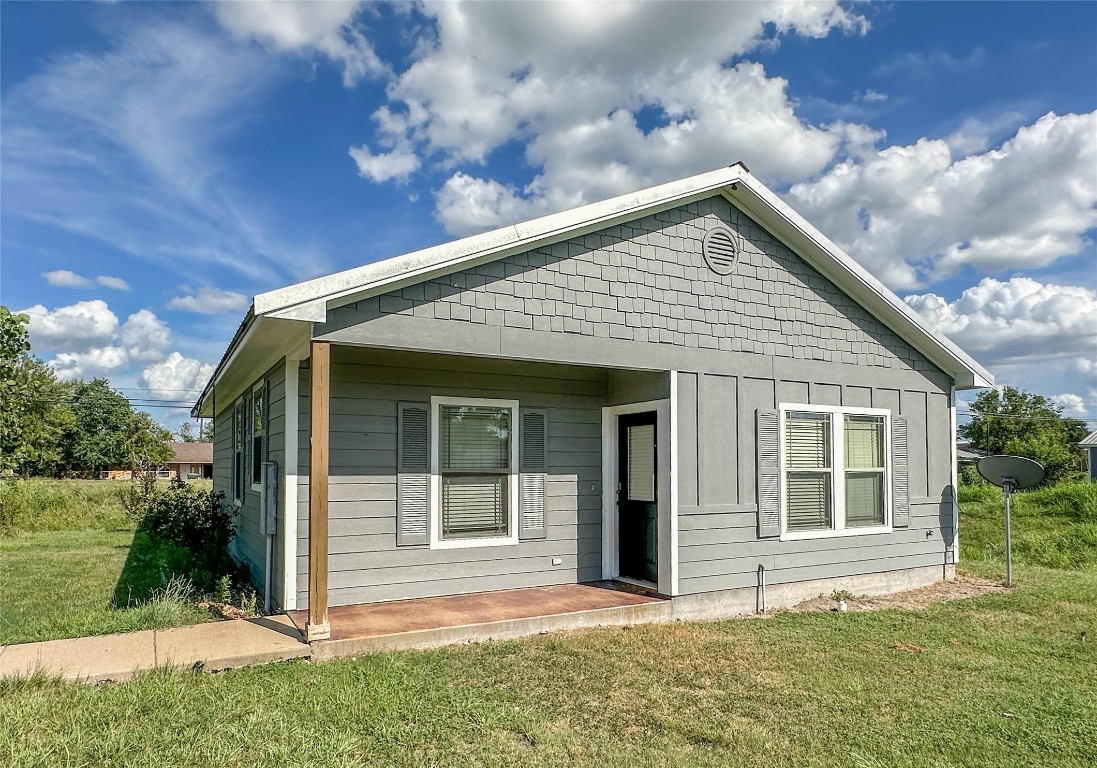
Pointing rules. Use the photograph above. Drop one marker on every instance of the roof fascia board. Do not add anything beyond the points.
(804, 239)
(360, 282)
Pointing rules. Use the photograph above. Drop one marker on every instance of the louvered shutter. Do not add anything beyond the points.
(900, 474)
(769, 473)
(531, 477)
(413, 475)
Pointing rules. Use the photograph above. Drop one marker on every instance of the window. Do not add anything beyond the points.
(258, 427)
(475, 471)
(239, 415)
(835, 471)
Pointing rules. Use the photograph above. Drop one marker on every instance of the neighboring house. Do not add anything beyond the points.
(965, 454)
(1089, 445)
(191, 461)
(676, 388)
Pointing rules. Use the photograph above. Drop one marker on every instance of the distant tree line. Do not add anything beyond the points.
(60, 428)
(1012, 421)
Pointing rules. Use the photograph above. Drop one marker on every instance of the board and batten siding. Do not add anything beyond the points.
(719, 546)
(639, 295)
(249, 545)
(364, 562)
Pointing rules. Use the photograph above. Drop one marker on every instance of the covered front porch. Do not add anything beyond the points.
(436, 621)
(601, 495)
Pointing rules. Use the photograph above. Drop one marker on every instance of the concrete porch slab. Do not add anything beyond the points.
(436, 621)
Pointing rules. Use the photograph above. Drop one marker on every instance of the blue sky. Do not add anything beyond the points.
(160, 164)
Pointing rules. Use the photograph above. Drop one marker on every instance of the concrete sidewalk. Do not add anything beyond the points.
(216, 645)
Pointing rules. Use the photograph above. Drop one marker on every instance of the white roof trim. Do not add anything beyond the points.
(310, 300)
(420, 265)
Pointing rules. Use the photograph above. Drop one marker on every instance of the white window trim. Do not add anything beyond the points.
(436, 540)
(239, 432)
(251, 435)
(838, 472)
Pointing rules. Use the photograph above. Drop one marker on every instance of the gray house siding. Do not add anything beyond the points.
(643, 287)
(364, 563)
(249, 545)
(719, 547)
(633, 296)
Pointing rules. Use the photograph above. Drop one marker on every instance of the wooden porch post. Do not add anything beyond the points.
(317, 627)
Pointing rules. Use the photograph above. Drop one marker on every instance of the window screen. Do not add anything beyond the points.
(258, 422)
(808, 478)
(474, 463)
(864, 438)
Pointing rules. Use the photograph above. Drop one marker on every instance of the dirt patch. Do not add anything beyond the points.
(960, 588)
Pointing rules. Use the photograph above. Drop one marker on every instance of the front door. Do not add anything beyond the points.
(637, 509)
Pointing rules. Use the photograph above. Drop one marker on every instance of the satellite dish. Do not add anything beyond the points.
(1016, 471)
(1010, 473)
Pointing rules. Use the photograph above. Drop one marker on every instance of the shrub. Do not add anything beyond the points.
(197, 520)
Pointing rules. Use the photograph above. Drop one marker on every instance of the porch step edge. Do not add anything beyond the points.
(506, 629)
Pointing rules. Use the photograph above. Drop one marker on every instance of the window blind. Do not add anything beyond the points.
(641, 462)
(474, 438)
(474, 506)
(807, 440)
(808, 499)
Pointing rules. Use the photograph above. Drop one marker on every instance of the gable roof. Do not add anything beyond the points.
(308, 302)
(192, 453)
(1090, 440)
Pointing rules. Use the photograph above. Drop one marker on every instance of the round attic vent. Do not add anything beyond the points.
(721, 250)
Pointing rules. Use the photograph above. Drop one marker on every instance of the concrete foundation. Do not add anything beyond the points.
(737, 602)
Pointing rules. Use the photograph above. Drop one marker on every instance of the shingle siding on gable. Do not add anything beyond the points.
(647, 281)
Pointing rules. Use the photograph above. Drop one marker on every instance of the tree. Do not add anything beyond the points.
(1021, 423)
(185, 434)
(35, 415)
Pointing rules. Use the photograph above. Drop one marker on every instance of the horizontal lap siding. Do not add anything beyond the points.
(250, 544)
(364, 563)
(719, 547)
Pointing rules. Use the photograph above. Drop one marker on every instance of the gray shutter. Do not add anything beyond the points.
(266, 419)
(413, 475)
(531, 478)
(900, 474)
(769, 473)
(268, 520)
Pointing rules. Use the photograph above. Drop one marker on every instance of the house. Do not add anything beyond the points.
(1089, 445)
(966, 454)
(688, 388)
(191, 461)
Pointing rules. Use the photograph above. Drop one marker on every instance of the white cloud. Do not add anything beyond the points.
(116, 283)
(578, 84)
(176, 377)
(385, 166)
(1017, 320)
(914, 213)
(86, 338)
(144, 337)
(73, 328)
(330, 28)
(210, 301)
(63, 278)
(92, 362)
(871, 96)
(1072, 405)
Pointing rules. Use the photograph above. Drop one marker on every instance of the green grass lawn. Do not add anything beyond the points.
(1001, 680)
(71, 564)
(56, 584)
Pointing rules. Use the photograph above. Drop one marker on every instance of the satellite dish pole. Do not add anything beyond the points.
(1010, 473)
